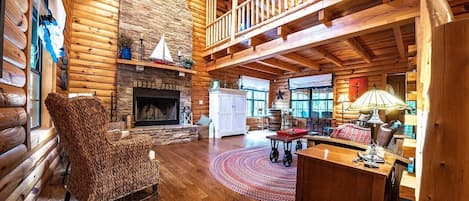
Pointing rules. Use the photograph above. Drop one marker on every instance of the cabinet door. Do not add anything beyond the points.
(239, 112)
(225, 113)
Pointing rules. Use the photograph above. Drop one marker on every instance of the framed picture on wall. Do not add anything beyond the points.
(2, 23)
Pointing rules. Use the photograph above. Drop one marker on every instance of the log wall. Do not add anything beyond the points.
(200, 81)
(23, 164)
(93, 48)
(13, 118)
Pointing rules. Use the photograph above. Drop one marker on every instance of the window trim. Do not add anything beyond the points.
(37, 70)
(252, 112)
(310, 99)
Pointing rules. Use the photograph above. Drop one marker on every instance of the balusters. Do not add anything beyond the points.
(243, 16)
(268, 8)
(273, 7)
(261, 10)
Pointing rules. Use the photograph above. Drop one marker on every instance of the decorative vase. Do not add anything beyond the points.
(188, 65)
(126, 53)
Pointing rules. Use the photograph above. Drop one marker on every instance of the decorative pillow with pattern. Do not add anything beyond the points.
(353, 133)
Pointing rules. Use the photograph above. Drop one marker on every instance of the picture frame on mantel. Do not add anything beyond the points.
(2, 25)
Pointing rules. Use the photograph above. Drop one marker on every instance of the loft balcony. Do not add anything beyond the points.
(293, 35)
(251, 18)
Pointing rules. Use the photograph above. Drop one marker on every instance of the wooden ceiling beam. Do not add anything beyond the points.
(399, 41)
(330, 57)
(283, 31)
(298, 59)
(263, 68)
(370, 20)
(274, 63)
(357, 47)
(253, 42)
(324, 16)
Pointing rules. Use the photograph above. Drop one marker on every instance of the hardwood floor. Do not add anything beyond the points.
(184, 170)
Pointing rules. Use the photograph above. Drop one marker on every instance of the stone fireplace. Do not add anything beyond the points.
(155, 107)
(155, 98)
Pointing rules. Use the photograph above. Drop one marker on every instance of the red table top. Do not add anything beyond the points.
(293, 132)
(284, 138)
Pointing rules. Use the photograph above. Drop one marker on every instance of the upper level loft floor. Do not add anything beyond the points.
(281, 36)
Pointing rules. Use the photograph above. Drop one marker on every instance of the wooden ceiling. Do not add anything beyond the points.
(389, 43)
(460, 8)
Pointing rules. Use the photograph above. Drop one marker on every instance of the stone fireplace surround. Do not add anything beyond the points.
(151, 78)
(174, 20)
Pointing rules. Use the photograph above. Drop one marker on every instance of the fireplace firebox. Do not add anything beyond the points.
(155, 107)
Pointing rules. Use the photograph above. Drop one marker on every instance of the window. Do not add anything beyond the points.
(256, 102)
(257, 91)
(300, 99)
(322, 101)
(35, 74)
(312, 102)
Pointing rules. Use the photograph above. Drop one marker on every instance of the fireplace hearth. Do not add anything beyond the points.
(155, 107)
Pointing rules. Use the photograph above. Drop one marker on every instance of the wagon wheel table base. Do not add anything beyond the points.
(287, 145)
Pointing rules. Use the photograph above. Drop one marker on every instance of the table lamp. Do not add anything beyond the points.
(375, 100)
(343, 98)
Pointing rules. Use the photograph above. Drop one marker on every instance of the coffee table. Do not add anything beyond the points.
(287, 141)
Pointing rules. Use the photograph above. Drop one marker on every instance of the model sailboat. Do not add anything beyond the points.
(161, 52)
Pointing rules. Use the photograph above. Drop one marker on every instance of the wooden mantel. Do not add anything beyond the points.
(155, 65)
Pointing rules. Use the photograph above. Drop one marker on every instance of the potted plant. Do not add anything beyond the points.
(125, 44)
(188, 62)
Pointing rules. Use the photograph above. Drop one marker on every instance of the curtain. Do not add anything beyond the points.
(253, 83)
(310, 81)
(52, 27)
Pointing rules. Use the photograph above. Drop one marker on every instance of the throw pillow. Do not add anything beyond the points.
(204, 121)
(354, 133)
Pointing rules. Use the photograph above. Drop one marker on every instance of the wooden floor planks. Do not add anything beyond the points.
(184, 171)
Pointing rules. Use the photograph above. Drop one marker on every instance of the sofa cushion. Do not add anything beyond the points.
(353, 133)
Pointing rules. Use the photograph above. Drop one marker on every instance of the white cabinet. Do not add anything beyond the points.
(228, 111)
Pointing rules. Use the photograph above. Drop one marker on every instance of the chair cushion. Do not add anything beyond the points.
(353, 133)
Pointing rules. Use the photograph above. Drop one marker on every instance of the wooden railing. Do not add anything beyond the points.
(220, 29)
(243, 17)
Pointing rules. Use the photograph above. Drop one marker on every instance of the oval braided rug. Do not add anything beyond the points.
(249, 172)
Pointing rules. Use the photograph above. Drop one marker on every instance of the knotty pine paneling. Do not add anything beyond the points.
(200, 81)
(93, 47)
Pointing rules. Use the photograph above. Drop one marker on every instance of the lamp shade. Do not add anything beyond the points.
(343, 98)
(378, 99)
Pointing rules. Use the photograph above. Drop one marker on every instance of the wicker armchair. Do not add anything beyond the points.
(102, 169)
